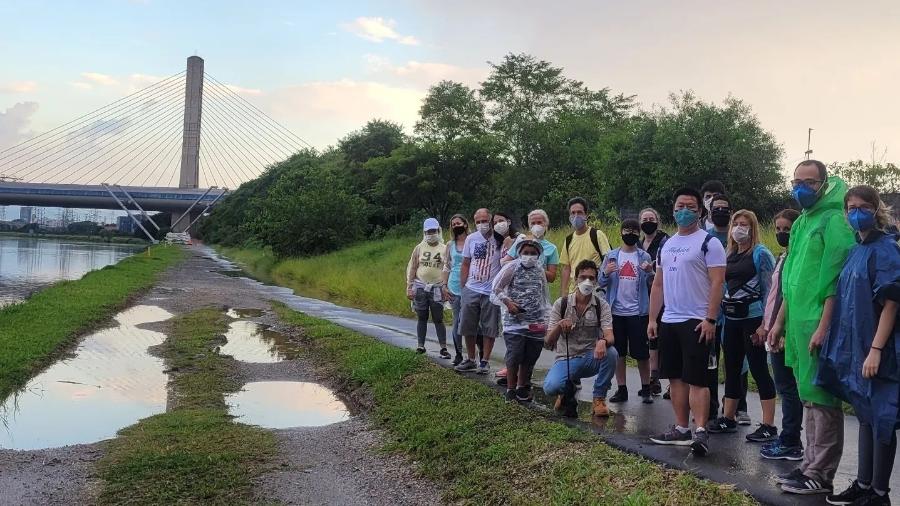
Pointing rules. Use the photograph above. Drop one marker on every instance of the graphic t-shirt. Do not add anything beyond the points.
(685, 277)
(627, 294)
(485, 262)
(428, 261)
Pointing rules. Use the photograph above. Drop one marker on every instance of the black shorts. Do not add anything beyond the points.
(631, 336)
(681, 354)
(522, 349)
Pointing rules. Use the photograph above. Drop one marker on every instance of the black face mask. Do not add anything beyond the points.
(458, 231)
(720, 218)
(649, 227)
(630, 239)
(783, 238)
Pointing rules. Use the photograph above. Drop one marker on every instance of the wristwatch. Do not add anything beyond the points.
(711, 320)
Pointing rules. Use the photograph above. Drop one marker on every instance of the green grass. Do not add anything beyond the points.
(484, 450)
(34, 331)
(194, 453)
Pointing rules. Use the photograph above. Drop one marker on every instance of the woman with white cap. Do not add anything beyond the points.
(424, 282)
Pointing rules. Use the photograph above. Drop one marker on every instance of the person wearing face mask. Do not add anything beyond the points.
(709, 190)
(459, 227)
(580, 330)
(788, 445)
(424, 285)
(479, 317)
(521, 287)
(820, 242)
(503, 225)
(584, 243)
(748, 278)
(538, 225)
(625, 276)
(690, 273)
(654, 238)
(860, 356)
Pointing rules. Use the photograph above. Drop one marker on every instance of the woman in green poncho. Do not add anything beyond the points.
(820, 242)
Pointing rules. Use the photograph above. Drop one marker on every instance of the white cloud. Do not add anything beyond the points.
(101, 79)
(378, 29)
(14, 123)
(18, 87)
(80, 85)
(240, 90)
(424, 73)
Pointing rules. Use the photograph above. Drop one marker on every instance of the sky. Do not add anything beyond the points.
(324, 68)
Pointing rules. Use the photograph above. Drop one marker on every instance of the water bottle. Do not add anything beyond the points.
(713, 361)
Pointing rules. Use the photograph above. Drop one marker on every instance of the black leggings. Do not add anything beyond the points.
(738, 345)
(437, 315)
(876, 459)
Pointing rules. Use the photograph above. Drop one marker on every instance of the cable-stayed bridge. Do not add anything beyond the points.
(147, 151)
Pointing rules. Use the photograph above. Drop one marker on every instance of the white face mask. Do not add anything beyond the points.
(586, 287)
(740, 233)
(529, 260)
(538, 231)
(501, 227)
(707, 202)
(484, 228)
(432, 238)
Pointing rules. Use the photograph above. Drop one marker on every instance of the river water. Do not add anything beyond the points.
(27, 264)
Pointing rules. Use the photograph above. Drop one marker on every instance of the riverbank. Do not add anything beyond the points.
(78, 238)
(36, 331)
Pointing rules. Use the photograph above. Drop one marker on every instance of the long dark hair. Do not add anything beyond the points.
(464, 220)
(512, 227)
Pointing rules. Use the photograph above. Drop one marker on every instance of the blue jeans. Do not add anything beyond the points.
(457, 339)
(584, 366)
(791, 406)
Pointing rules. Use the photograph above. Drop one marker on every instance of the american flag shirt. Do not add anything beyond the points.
(485, 261)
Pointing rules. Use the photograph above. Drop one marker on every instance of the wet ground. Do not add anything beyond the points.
(732, 460)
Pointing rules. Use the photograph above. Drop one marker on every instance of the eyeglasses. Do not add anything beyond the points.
(807, 182)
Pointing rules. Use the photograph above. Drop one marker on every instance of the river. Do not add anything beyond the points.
(27, 264)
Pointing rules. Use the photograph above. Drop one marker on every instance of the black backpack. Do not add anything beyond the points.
(592, 232)
(564, 304)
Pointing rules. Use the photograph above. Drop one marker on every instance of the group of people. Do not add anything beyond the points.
(816, 326)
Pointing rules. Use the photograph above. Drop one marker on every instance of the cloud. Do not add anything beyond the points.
(424, 73)
(81, 85)
(18, 87)
(100, 79)
(378, 29)
(14, 123)
(240, 90)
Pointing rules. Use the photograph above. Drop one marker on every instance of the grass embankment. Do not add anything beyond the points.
(463, 435)
(370, 275)
(32, 332)
(194, 453)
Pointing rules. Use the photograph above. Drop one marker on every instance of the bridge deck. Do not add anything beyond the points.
(96, 196)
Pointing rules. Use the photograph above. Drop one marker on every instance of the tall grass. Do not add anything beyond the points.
(372, 275)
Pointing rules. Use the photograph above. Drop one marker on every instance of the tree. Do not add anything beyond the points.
(377, 138)
(83, 228)
(884, 177)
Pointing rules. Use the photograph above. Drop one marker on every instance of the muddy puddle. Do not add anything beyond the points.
(286, 404)
(110, 382)
(255, 343)
(238, 313)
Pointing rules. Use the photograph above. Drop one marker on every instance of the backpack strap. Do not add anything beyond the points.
(568, 242)
(563, 305)
(593, 233)
(705, 248)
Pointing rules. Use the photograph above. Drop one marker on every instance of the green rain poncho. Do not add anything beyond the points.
(820, 242)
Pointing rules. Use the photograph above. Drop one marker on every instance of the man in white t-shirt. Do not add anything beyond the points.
(689, 277)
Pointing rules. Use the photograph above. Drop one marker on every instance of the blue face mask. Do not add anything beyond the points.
(577, 221)
(861, 219)
(805, 196)
(685, 217)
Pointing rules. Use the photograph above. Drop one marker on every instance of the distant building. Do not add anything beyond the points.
(125, 224)
(26, 214)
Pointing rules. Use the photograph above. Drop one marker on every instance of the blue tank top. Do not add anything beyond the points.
(456, 257)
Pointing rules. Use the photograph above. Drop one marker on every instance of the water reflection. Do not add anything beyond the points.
(29, 264)
(285, 404)
(252, 342)
(111, 383)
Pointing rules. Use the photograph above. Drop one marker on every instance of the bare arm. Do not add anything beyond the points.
(551, 273)
(464, 271)
(656, 302)
(717, 279)
(818, 336)
(564, 282)
(882, 333)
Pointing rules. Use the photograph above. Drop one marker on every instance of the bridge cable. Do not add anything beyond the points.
(214, 120)
(265, 158)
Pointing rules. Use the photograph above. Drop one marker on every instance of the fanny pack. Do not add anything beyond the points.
(737, 308)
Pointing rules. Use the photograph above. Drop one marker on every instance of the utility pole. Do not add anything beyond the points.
(808, 143)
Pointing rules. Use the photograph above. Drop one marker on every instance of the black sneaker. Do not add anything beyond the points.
(621, 395)
(510, 396)
(700, 444)
(667, 396)
(853, 493)
(763, 434)
(444, 353)
(788, 477)
(523, 394)
(502, 381)
(655, 387)
(420, 350)
(804, 485)
(646, 395)
(875, 500)
(457, 359)
(721, 425)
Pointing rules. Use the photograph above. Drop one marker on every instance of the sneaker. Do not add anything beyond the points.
(875, 500)
(523, 394)
(673, 436)
(763, 433)
(466, 365)
(501, 373)
(777, 451)
(502, 381)
(804, 485)
(667, 396)
(646, 395)
(721, 425)
(849, 496)
(600, 408)
(788, 477)
(484, 367)
(420, 350)
(510, 396)
(457, 360)
(621, 395)
(655, 387)
(742, 417)
(700, 444)
(444, 354)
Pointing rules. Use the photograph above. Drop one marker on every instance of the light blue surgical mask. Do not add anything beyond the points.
(686, 217)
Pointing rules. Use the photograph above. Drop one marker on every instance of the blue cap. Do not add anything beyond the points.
(431, 224)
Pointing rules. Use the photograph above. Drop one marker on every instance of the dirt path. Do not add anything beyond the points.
(334, 464)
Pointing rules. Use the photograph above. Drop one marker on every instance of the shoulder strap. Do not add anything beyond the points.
(595, 242)
(597, 309)
(705, 247)
(568, 242)
(563, 305)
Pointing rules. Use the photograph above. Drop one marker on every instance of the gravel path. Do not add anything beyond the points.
(335, 464)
